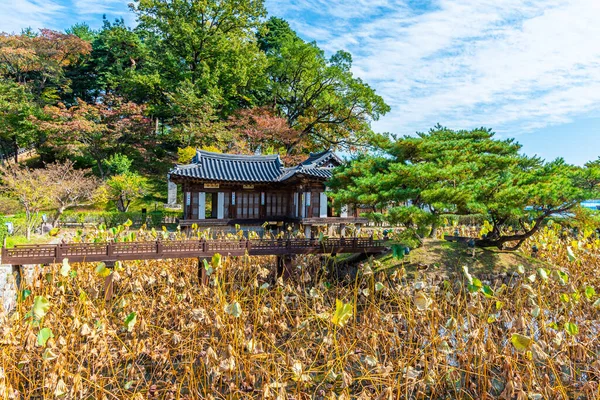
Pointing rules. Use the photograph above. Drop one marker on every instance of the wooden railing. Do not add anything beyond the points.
(91, 252)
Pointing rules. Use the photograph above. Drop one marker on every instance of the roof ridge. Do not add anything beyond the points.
(242, 157)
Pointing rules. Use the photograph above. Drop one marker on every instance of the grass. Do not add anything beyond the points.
(12, 241)
(440, 258)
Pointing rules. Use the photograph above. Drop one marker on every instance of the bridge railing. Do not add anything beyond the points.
(181, 249)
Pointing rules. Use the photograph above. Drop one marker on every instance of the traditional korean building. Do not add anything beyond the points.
(228, 189)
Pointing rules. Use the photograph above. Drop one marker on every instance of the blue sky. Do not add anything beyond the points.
(529, 69)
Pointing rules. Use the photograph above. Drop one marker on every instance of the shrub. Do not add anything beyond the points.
(3, 229)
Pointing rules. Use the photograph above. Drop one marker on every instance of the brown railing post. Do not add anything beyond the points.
(58, 253)
(110, 250)
(159, 247)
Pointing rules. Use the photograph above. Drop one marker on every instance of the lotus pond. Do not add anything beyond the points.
(531, 334)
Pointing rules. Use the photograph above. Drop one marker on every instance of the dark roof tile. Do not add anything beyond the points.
(242, 168)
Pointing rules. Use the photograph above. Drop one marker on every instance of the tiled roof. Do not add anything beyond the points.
(242, 168)
(323, 173)
(231, 167)
(318, 159)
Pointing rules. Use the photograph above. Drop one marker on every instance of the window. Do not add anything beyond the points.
(247, 205)
(194, 205)
(226, 204)
(276, 204)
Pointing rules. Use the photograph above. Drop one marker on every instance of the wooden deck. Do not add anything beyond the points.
(93, 252)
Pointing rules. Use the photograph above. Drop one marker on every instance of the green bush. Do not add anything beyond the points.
(3, 229)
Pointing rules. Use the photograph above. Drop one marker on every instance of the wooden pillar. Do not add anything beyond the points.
(296, 212)
(284, 266)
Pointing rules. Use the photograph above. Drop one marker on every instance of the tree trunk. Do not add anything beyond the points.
(16, 149)
(434, 229)
(497, 240)
(57, 216)
(28, 224)
(100, 170)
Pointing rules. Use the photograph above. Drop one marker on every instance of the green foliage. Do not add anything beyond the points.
(117, 164)
(3, 229)
(185, 155)
(319, 97)
(464, 173)
(112, 219)
(16, 106)
(130, 321)
(210, 45)
(43, 336)
(123, 189)
(41, 305)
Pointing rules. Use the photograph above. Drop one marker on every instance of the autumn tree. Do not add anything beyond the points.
(30, 188)
(261, 130)
(463, 173)
(69, 187)
(95, 130)
(39, 60)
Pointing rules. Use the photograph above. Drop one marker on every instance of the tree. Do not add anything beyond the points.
(69, 187)
(30, 188)
(210, 44)
(319, 97)
(16, 128)
(123, 189)
(39, 60)
(117, 164)
(95, 130)
(261, 130)
(185, 155)
(466, 172)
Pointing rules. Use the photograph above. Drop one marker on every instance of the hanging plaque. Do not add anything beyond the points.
(211, 186)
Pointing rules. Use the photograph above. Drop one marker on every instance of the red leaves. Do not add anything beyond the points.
(48, 51)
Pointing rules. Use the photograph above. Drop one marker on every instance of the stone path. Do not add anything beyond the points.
(7, 291)
(8, 294)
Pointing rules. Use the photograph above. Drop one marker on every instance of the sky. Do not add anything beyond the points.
(528, 69)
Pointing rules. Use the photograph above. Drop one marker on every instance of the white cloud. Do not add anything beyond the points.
(19, 14)
(513, 65)
(59, 14)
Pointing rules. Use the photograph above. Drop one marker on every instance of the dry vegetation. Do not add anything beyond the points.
(531, 334)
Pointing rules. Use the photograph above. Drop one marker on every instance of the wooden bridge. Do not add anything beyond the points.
(164, 249)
